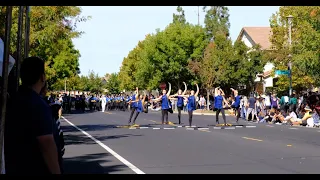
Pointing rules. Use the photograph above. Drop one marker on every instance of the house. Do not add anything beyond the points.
(252, 36)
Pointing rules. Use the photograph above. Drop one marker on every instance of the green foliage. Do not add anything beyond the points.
(113, 84)
(164, 57)
(305, 45)
(180, 17)
(216, 21)
(227, 66)
(52, 29)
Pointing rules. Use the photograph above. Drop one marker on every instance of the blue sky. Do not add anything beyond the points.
(113, 31)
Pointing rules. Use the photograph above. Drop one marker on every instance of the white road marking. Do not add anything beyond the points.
(168, 128)
(203, 128)
(229, 128)
(144, 127)
(116, 155)
(251, 126)
(156, 128)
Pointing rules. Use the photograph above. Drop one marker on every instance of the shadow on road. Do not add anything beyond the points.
(78, 139)
(88, 128)
(89, 164)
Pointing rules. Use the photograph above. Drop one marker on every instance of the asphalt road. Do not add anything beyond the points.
(94, 146)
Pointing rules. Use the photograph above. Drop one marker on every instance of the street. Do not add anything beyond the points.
(95, 145)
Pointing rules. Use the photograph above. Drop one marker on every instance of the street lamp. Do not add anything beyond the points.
(289, 18)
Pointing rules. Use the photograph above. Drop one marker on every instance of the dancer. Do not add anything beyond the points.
(236, 103)
(133, 104)
(218, 104)
(165, 106)
(192, 104)
(180, 100)
(139, 107)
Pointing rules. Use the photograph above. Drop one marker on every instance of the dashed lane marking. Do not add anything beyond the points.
(252, 139)
(289, 145)
(116, 155)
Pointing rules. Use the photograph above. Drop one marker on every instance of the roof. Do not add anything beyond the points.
(259, 35)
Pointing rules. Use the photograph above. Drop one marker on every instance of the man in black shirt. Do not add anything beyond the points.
(29, 143)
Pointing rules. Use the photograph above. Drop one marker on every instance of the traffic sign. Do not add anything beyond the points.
(282, 72)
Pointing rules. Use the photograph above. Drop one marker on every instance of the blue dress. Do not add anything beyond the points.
(191, 103)
(164, 102)
(134, 104)
(218, 102)
(180, 101)
(139, 106)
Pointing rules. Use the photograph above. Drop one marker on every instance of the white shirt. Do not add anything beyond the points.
(291, 115)
(103, 100)
(202, 101)
(267, 101)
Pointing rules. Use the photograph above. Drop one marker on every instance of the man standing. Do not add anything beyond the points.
(103, 103)
(252, 107)
(30, 147)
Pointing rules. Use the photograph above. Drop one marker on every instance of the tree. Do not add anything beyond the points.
(113, 84)
(305, 45)
(216, 21)
(94, 83)
(52, 29)
(180, 17)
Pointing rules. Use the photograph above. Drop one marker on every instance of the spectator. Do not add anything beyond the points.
(30, 145)
(202, 103)
(251, 108)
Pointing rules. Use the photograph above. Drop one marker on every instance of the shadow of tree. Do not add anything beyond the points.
(77, 139)
(88, 128)
(89, 164)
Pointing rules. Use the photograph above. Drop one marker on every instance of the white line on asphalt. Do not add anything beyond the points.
(116, 155)
(156, 128)
(144, 127)
(168, 128)
(251, 126)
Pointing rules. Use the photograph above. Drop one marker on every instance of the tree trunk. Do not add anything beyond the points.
(208, 95)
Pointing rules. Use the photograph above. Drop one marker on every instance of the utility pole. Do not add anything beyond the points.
(290, 17)
(198, 16)
(4, 84)
(27, 33)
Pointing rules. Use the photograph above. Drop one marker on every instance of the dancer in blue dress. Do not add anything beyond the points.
(219, 105)
(133, 103)
(139, 107)
(180, 100)
(236, 104)
(192, 103)
(165, 105)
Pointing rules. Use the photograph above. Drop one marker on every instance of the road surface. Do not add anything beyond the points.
(93, 145)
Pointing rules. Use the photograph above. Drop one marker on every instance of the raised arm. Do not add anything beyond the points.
(196, 94)
(144, 97)
(225, 101)
(216, 90)
(222, 93)
(185, 88)
(137, 92)
(169, 91)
